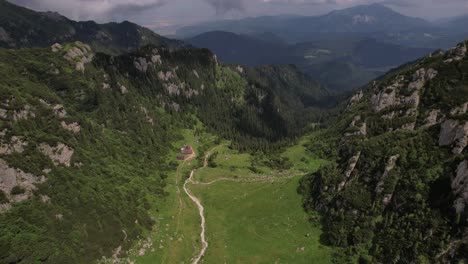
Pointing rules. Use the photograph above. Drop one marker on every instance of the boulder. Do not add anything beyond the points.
(59, 111)
(56, 47)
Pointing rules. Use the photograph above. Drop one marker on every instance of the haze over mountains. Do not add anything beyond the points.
(343, 49)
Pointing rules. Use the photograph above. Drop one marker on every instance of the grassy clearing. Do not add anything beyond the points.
(302, 160)
(247, 222)
(176, 233)
(259, 223)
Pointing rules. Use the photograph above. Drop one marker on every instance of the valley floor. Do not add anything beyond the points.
(250, 218)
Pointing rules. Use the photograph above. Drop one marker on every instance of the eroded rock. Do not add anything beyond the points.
(23, 113)
(56, 47)
(59, 111)
(460, 187)
(72, 127)
(454, 132)
(60, 154)
(356, 98)
(16, 145)
(79, 55)
(352, 162)
(460, 110)
(433, 118)
(12, 177)
(141, 64)
(391, 163)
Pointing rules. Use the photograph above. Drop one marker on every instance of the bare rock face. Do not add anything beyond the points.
(74, 127)
(175, 106)
(433, 118)
(11, 177)
(166, 76)
(172, 89)
(457, 53)
(106, 86)
(122, 88)
(454, 132)
(386, 97)
(409, 126)
(3, 113)
(16, 145)
(391, 163)
(460, 187)
(60, 154)
(356, 98)
(460, 110)
(156, 59)
(391, 95)
(352, 162)
(141, 64)
(361, 127)
(59, 111)
(189, 93)
(56, 47)
(23, 113)
(79, 55)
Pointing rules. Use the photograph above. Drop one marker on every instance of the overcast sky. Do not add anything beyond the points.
(163, 15)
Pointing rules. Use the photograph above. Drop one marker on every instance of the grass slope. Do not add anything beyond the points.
(247, 222)
(259, 223)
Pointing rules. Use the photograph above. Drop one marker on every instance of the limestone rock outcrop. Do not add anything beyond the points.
(460, 187)
(352, 162)
(454, 133)
(79, 55)
(60, 154)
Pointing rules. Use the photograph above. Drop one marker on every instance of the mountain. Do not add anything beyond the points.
(395, 188)
(342, 64)
(21, 27)
(242, 49)
(77, 125)
(361, 21)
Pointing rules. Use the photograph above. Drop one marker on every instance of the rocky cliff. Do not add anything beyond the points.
(396, 189)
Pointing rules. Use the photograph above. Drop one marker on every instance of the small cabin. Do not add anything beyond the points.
(180, 157)
(186, 150)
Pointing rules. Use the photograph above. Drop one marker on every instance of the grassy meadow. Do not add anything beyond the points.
(247, 221)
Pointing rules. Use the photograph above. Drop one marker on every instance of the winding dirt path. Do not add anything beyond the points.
(201, 210)
(198, 203)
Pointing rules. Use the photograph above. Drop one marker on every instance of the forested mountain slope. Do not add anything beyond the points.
(396, 189)
(76, 127)
(21, 27)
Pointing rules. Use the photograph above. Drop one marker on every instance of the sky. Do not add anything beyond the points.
(164, 16)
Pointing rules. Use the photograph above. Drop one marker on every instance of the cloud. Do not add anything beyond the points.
(223, 6)
(91, 9)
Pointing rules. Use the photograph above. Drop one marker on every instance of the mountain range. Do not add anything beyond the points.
(371, 21)
(21, 27)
